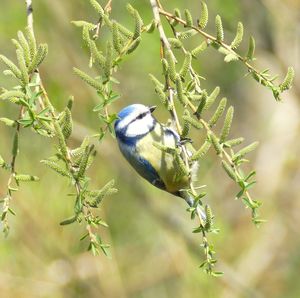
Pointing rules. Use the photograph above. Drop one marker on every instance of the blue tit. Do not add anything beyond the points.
(136, 130)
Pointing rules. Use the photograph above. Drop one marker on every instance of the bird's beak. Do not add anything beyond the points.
(151, 109)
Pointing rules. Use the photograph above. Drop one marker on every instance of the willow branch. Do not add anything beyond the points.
(211, 38)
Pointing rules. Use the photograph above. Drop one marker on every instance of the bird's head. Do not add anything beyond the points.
(134, 121)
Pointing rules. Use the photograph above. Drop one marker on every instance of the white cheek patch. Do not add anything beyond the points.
(123, 123)
(140, 126)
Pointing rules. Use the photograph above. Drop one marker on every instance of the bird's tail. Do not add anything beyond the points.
(190, 201)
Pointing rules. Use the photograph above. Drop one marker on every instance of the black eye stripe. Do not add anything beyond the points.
(141, 116)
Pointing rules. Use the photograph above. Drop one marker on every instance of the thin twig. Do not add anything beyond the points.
(211, 38)
(165, 46)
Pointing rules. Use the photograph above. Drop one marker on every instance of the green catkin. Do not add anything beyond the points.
(218, 113)
(8, 122)
(195, 123)
(23, 68)
(175, 43)
(61, 140)
(219, 28)
(202, 103)
(172, 69)
(162, 96)
(12, 94)
(239, 36)
(186, 34)
(38, 58)
(116, 37)
(180, 166)
(202, 151)
(31, 42)
(54, 166)
(11, 66)
(177, 13)
(186, 124)
(138, 25)
(89, 80)
(195, 52)
(203, 16)
(134, 44)
(151, 27)
(211, 98)
(186, 65)
(179, 88)
(97, 7)
(106, 190)
(215, 143)
(155, 81)
(81, 24)
(188, 18)
(234, 142)
(67, 123)
(240, 154)
(83, 162)
(227, 125)
(86, 36)
(26, 178)
(229, 170)
(108, 61)
(288, 80)
(208, 219)
(165, 66)
(25, 46)
(97, 56)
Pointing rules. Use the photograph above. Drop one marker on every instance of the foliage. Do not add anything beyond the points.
(180, 85)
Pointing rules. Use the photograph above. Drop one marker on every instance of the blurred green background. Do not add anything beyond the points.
(154, 253)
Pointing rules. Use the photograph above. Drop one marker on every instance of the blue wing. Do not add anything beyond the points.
(141, 165)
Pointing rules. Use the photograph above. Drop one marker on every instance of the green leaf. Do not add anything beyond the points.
(15, 147)
(69, 221)
(251, 49)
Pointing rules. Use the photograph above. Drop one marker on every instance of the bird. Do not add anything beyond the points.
(136, 131)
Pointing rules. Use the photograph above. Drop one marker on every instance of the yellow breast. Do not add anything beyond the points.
(162, 162)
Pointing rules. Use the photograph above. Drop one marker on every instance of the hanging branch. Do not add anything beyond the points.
(168, 55)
